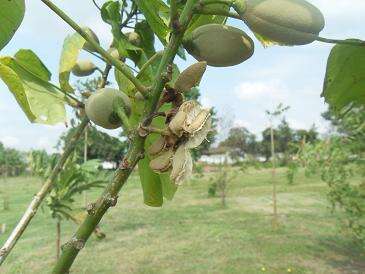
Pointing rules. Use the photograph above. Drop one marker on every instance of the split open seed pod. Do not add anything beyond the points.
(182, 165)
(163, 162)
(287, 22)
(157, 146)
(219, 45)
(190, 77)
(199, 129)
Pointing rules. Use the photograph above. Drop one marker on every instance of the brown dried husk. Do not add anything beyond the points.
(163, 162)
(182, 165)
(157, 146)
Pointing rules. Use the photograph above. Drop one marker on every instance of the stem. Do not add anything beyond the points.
(123, 68)
(341, 42)
(42, 193)
(173, 12)
(58, 239)
(135, 153)
(273, 174)
(149, 62)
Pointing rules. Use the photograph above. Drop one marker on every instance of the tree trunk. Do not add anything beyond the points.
(273, 175)
(85, 160)
(58, 239)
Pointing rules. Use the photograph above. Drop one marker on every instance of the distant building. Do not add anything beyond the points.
(218, 155)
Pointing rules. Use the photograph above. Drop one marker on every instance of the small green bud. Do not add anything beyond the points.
(83, 68)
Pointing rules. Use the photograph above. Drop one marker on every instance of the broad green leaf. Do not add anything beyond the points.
(151, 184)
(70, 52)
(344, 83)
(123, 83)
(147, 36)
(39, 99)
(151, 11)
(11, 16)
(30, 61)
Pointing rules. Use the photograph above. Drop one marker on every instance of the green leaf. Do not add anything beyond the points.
(124, 83)
(40, 100)
(151, 11)
(30, 61)
(344, 83)
(11, 16)
(151, 184)
(70, 52)
(147, 36)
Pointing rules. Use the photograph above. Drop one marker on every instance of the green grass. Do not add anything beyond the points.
(194, 234)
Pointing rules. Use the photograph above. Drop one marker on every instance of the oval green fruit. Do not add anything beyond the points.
(219, 45)
(83, 68)
(134, 38)
(99, 107)
(87, 45)
(288, 22)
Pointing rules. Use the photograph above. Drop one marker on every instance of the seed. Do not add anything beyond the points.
(163, 162)
(157, 146)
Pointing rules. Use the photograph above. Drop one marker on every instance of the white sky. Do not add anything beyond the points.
(291, 75)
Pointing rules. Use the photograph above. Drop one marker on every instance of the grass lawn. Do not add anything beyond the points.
(193, 233)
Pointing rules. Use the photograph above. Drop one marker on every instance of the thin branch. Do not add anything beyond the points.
(149, 62)
(135, 152)
(96, 5)
(123, 68)
(352, 42)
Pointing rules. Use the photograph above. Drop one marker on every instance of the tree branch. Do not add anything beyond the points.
(135, 153)
(123, 68)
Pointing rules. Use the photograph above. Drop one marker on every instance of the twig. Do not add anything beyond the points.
(351, 42)
(96, 5)
(123, 68)
(135, 153)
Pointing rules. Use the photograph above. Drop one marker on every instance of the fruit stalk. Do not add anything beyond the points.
(42, 193)
(123, 68)
(135, 153)
(352, 42)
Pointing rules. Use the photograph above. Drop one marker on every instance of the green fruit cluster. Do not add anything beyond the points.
(100, 105)
(219, 45)
(289, 22)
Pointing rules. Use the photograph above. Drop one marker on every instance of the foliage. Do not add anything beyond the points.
(336, 164)
(12, 161)
(38, 162)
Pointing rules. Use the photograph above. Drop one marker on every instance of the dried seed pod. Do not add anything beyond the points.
(289, 22)
(163, 162)
(198, 123)
(87, 45)
(99, 107)
(219, 45)
(157, 146)
(199, 136)
(190, 77)
(182, 165)
(83, 68)
(177, 123)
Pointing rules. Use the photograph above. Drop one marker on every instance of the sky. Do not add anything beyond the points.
(241, 94)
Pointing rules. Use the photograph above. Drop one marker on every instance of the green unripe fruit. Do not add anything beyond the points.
(99, 107)
(219, 45)
(83, 68)
(134, 38)
(190, 77)
(87, 45)
(115, 54)
(289, 22)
